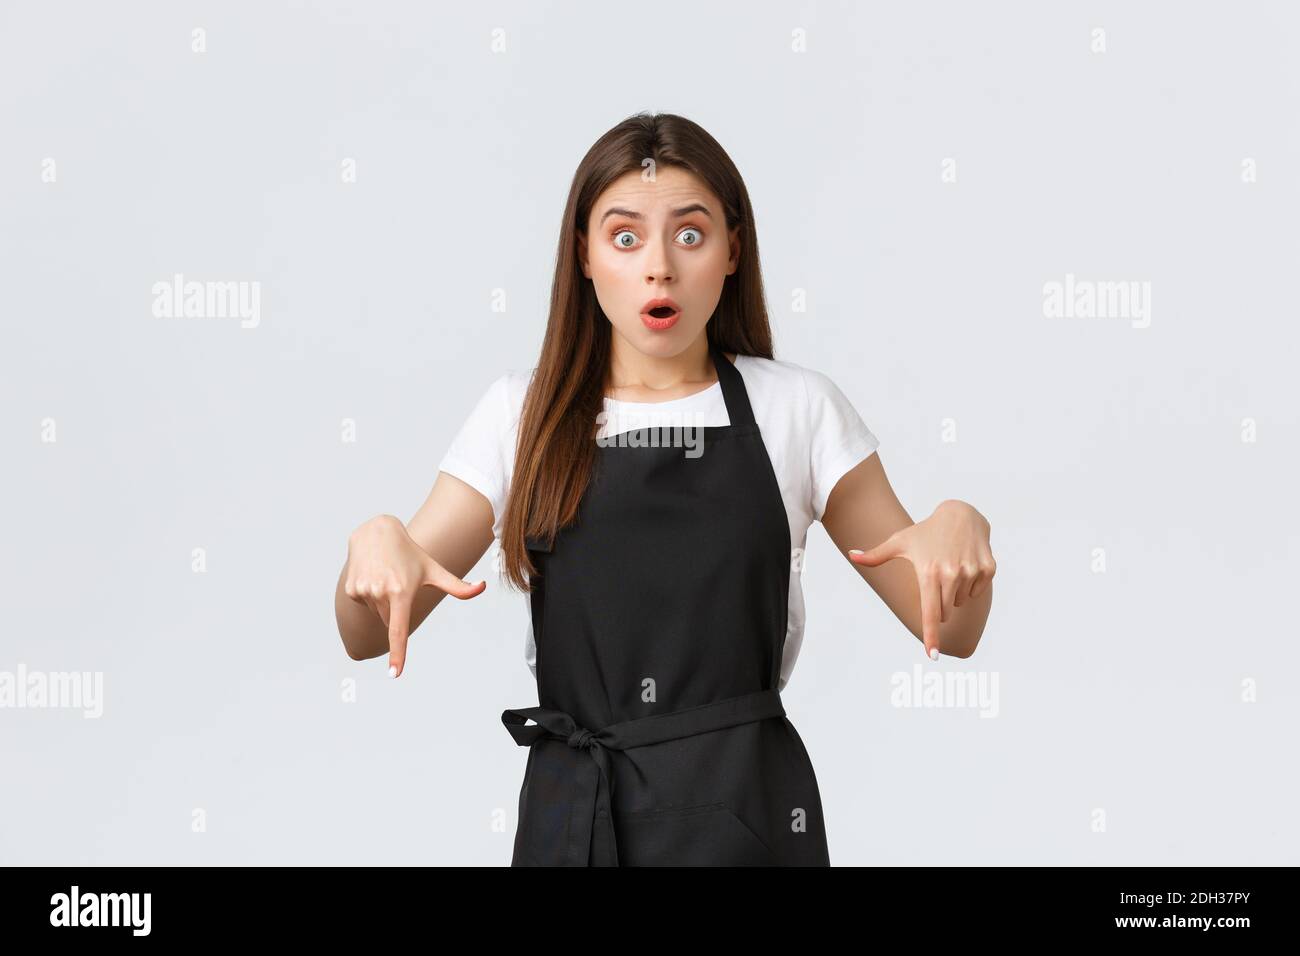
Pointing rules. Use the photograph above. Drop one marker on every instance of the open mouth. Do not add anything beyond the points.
(663, 311)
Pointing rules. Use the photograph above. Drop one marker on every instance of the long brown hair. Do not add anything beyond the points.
(556, 448)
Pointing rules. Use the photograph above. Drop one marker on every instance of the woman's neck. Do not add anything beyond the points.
(637, 377)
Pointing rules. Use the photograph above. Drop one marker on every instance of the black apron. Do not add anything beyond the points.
(659, 619)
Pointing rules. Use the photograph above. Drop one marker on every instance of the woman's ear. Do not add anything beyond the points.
(733, 242)
(582, 255)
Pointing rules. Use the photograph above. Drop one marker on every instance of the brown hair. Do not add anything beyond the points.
(556, 448)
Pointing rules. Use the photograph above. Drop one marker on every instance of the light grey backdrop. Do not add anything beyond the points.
(179, 493)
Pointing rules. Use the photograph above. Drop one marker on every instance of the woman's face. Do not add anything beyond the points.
(655, 240)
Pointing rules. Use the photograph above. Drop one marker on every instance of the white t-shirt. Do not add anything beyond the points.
(812, 433)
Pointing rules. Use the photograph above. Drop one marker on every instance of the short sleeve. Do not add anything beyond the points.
(476, 455)
(838, 437)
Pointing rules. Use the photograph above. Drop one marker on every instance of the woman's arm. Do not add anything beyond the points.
(454, 527)
(948, 560)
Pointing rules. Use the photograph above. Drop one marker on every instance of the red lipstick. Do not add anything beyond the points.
(660, 314)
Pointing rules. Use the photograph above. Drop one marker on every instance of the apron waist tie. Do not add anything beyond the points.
(596, 790)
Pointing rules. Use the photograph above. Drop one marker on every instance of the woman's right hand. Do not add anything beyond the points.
(385, 570)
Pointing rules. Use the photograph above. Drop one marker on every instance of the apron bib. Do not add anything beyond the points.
(659, 619)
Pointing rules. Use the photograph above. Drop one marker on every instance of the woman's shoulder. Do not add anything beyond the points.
(806, 400)
(514, 383)
(498, 405)
(792, 381)
(506, 392)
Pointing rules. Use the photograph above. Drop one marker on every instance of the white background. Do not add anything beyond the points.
(1120, 693)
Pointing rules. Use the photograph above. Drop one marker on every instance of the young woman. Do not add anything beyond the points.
(661, 565)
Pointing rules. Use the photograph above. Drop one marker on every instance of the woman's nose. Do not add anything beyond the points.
(658, 266)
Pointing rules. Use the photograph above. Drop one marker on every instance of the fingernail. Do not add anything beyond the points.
(392, 670)
(934, 653)
(855, 550)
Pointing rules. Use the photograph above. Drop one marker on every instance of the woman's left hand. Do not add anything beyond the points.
(950, 552)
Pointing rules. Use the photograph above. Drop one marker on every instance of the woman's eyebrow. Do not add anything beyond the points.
(633, 214)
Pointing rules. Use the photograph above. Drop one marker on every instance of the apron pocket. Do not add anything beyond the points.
(706, 835)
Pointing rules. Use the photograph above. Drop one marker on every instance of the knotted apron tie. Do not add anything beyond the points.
(586, 794)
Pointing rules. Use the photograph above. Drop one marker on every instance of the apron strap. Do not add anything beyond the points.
(739, 411)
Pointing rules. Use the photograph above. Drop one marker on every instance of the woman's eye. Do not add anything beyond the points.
(626, 239)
